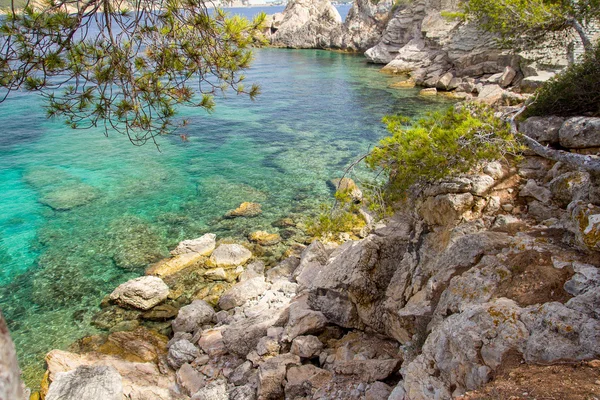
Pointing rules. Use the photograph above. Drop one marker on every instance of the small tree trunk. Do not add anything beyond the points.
(579, 161)
(587, 43)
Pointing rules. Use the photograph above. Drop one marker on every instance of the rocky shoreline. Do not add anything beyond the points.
(472, 278)
(425, 41)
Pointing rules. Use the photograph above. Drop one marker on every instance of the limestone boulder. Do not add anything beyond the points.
(378, 391)
(306, 346)
(271, 376)
(585, 219)
(241, 337)
(580, 133)
(101, 382)
(171, 266)
(302, 320)
(533, 190)
(215, 390)
(230, 255)
(312, 259)
(446, 209)
(241, 292)
(203, 245)
(531, 83)
(462, 352)
(542, 129)
(368, 370)
(143, 293)
(558, 333)
(284, 269)
(305, 380)
(571, 186)
(189, 379)
(490, 94)
(191, 317)
(140, 380)
(181, 352)
(211, 342)
(253, 270)
(507, 76)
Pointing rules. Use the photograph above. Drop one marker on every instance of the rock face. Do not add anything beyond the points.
(363, 26)
(317, 24)
(307, 24)
(93, 383)
(420, 40)
(144, 292)
(10, 375)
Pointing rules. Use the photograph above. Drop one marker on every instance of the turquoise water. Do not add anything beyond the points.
(81, 212)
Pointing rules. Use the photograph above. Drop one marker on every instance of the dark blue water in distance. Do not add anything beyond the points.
(73, 202)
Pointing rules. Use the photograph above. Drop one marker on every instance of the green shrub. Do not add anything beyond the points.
(440, 145)
(344, 216)
(572, 92)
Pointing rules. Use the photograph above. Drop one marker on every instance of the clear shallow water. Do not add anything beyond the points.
(81, 213)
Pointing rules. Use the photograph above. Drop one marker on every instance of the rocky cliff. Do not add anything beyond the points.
(317, 24)
(421, 39)
(473, 278)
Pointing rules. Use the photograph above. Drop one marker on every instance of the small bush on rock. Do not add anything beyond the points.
(439, 145)
(572, 92)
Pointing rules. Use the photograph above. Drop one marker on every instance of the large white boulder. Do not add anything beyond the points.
(144, 292)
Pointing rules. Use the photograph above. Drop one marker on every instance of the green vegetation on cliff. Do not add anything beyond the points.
(574, 91)
(522, 21)
(440, 145)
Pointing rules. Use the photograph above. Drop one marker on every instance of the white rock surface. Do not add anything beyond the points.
(144, 292)
(230, 255)
(85, 382)
(203, 245)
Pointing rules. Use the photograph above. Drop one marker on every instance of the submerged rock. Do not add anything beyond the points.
(68, 197)
(245, 209)
(135, 243)
(264, 238)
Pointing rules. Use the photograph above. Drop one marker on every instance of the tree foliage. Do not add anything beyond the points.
(440, 144)
(574, 91)
(520, 21)
(125, 66)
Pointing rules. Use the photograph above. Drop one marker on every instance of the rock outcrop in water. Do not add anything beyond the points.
(317, 24)
(306, 24)
(418, 38)
(478, 275)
